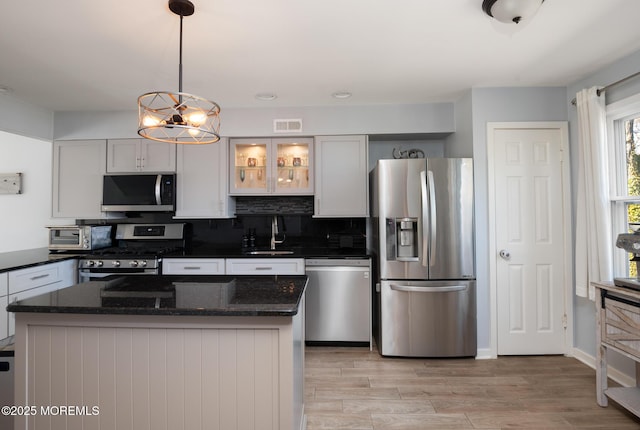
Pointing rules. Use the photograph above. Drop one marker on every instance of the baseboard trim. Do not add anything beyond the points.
(484, 354)
(613, 373)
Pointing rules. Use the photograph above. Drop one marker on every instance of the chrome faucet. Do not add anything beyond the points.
(274, 233)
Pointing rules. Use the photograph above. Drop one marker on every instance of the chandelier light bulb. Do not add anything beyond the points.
(196, 118)
(150, 121)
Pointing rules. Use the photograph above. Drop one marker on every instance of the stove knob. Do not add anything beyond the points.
(116, 263)
(143, 263)
(99, 263)
(134, 263)
(90, 263)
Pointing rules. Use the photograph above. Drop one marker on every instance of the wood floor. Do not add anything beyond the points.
(353, 388)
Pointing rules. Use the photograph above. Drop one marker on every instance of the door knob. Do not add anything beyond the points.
(505, 254)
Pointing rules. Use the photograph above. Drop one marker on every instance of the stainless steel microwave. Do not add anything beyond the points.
(139, 193)
(79, 237)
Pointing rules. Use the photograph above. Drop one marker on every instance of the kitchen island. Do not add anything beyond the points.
(163, 352)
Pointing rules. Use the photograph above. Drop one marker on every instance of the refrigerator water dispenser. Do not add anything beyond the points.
(402, 239)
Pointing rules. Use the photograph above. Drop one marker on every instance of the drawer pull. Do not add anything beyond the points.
(192, 267)
(609, 296)
(264, 268)
(39, 277)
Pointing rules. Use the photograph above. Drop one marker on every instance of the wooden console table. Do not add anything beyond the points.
(618, 328)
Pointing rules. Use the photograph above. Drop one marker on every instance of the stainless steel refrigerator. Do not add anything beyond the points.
(423, 237)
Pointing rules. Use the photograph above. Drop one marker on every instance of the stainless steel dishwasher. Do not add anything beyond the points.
(338, 301)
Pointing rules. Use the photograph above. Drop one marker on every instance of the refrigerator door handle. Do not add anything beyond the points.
(414, 289)
(425, 223)
(432, 218)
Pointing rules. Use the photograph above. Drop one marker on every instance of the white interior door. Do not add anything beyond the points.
(530, 241)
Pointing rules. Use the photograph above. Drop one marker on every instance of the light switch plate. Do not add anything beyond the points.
(10, 183)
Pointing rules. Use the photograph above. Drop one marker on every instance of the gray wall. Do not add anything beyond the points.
(21, 118)
(460, 144)
(380, 119)
(495, 105)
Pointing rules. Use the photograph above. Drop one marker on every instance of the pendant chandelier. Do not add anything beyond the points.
(177, 117)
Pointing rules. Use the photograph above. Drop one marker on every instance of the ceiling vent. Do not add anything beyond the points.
(287, 125)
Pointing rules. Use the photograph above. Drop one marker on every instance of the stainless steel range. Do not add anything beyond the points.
(139, 251)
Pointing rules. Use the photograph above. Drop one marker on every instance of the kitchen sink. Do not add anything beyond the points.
(271, 252)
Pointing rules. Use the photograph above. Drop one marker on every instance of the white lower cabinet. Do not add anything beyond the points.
(265, 266)
(4, 302)
(34, 281)
(193, 266)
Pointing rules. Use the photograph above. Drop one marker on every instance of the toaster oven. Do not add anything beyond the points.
(79, 237)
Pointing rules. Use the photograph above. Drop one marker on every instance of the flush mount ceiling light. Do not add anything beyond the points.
(510, 11)
(341, 95)
(266, 97)
(177, 117)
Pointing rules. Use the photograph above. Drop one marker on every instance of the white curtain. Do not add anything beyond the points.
(593, 244)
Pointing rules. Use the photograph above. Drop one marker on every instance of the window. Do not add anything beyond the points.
(624, 140)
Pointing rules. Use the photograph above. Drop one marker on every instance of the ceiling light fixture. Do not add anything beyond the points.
(510, 11)
(341, 95)
(267, 97)
(177, 117)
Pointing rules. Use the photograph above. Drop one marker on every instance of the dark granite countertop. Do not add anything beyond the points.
(16, 260)
(174, 295)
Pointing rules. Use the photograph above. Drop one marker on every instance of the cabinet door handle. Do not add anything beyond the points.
(39, 277)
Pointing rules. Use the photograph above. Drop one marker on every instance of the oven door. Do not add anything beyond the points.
(66, 237)
(87, 275)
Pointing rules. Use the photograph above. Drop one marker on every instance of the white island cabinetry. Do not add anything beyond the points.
(219, 357)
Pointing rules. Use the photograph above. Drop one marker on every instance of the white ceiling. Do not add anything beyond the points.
(101, 55)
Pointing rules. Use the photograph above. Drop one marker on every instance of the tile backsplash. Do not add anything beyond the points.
(274, 205)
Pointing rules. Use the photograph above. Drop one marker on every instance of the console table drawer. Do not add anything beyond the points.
(621, 327)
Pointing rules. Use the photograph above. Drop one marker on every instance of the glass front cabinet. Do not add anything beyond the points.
(271, 166)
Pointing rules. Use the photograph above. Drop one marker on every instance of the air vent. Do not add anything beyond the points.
(287, 125)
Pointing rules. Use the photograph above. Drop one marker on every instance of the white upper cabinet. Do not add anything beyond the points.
(277, 166)
(342, 177)
(202, 172)
(78, 167)
(140, 155)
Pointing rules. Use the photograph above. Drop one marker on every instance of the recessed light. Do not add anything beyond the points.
(341, 95)
(266, 96)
